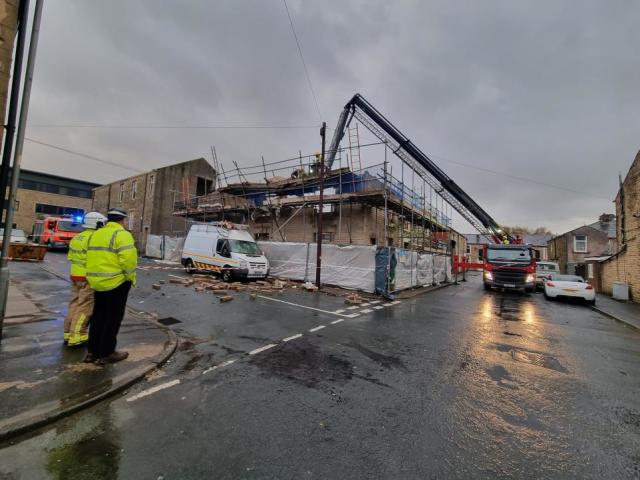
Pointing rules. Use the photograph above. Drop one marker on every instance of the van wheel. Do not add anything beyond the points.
(188, 266)
(226, 275)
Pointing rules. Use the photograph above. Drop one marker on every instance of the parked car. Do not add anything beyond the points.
(17, 236)
(569, 286)
(544, 270)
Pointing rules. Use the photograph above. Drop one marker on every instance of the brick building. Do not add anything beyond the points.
(571, 249)
(41, 194)
(624, 264)
(476, 243)
(149, 197)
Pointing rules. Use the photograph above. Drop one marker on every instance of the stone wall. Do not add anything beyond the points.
(625, 266)
(26, 215)
(8, 24)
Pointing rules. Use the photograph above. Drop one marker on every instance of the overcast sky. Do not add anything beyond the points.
(542, 90)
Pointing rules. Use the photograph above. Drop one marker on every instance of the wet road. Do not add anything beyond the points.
(458, 383)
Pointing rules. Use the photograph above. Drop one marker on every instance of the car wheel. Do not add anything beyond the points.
(547, 296)
(226, 275)
(529, 290)
(188, 266)
(487, 287)
(591, 302)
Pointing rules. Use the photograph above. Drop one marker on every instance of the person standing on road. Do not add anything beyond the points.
(76, 323)
(112, 259)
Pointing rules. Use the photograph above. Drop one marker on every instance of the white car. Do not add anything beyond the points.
(17, 236)
(544, 270)
(569, 286)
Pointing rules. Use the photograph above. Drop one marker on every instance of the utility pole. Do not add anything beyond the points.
(323, 132)
(23, 17)
(22, 125)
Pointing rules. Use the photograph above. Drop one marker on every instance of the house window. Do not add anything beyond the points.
(261, 236)
(468, 249)
(480, 254)
(121, 197)
(372, 241)
(45, 209)
(580, 243)
(203, 186)
(134, 189)
(152, 182)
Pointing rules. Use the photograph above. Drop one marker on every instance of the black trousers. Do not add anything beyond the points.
(108, 312)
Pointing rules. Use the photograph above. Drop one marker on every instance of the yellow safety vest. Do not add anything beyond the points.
(77, 254)
(112, 258)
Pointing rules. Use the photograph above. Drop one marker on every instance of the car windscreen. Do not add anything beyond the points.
(70, 227)
(508, 255)
(567, 278)
(546, 267)
(245, 246)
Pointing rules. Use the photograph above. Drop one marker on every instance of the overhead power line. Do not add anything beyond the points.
(516, 177)
(80, 154)
(304, 64)
(183, 127)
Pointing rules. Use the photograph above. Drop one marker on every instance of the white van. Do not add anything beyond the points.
(226, 248)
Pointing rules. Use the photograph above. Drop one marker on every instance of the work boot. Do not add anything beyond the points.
(89, 358)
(113, 358)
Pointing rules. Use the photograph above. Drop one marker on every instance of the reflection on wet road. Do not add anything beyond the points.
(459, 383)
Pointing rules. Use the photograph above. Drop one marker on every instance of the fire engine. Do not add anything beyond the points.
(56, 232)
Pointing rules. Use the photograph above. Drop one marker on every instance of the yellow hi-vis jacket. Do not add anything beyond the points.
(78, 254)
(111, 258)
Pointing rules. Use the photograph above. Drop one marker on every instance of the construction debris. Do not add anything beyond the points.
(156, 286)
(226, 298)
(353, 299)
(310, 287)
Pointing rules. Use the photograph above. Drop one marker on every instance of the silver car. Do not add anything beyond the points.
(544, 270)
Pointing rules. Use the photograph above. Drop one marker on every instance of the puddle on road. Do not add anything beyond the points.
(304, 363)
(538, 359)
(386, 361)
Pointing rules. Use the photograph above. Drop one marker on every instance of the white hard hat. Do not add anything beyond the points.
(94, 220)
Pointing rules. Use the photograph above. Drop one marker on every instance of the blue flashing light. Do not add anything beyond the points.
(79, 219)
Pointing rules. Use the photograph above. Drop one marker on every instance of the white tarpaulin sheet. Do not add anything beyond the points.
(164, 247)
(350, 266)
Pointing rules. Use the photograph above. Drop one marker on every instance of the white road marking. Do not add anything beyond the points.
(319, 327)
(378, 307)
(262, 349)
(220, 365)
(395, 302)
(342, 310)
(292, 337)
(353, 315)
(301, 306)
(364, 304)
(387, 304)
(337, 321)
(366, 310)
(151, 391)
(375, 301)
(355, 307)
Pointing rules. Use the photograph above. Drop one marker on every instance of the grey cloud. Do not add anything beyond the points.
(536, 89)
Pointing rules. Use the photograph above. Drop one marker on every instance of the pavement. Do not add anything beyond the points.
(457, 383)
(40, 379)
(625, 312)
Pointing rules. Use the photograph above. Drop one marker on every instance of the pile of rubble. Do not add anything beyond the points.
(208, 283)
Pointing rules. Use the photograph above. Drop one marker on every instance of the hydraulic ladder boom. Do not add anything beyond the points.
(402, 147)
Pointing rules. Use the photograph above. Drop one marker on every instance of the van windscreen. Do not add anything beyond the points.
(244, 246)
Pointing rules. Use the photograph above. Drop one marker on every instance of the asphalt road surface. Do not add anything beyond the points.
(457, 383)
